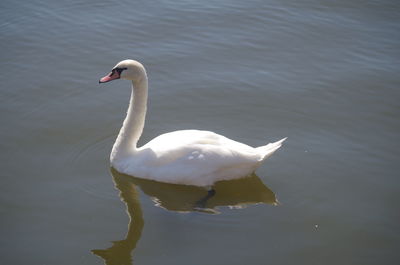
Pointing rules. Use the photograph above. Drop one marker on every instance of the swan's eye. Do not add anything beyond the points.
(119, 70)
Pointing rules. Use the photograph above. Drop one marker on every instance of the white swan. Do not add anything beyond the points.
(189, 157)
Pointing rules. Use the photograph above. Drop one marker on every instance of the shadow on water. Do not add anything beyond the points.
(180, 198)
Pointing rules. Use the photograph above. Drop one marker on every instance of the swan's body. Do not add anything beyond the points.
(190, 157)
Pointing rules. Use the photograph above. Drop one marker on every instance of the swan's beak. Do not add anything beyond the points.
(111, 76)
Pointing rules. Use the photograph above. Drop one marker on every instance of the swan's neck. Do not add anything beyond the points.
(132, 128)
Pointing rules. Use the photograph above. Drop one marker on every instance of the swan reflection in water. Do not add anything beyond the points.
(181, 198)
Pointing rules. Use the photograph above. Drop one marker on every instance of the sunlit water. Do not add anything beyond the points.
(324, 74)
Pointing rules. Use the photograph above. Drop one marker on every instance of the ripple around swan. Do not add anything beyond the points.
(95, 152)
(86, 151)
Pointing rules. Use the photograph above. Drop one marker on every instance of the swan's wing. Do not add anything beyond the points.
(171, 140)
(200, 149)
(193, 157)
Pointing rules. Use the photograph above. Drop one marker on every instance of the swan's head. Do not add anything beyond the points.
(126, 69)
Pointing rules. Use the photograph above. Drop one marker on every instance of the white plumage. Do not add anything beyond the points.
(190, 157)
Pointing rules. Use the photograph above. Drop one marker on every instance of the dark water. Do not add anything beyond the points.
(325, 74)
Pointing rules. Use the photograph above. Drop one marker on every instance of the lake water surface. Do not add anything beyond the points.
(325, 74)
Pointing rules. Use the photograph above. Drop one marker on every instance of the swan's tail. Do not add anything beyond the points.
(269, 149)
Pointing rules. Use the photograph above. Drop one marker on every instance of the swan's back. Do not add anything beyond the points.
(194, 137)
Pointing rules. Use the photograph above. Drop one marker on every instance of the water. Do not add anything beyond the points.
(324, 74)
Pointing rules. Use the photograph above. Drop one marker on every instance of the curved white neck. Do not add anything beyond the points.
(132, 128)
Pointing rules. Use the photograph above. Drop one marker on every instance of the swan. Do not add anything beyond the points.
(188, 157)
